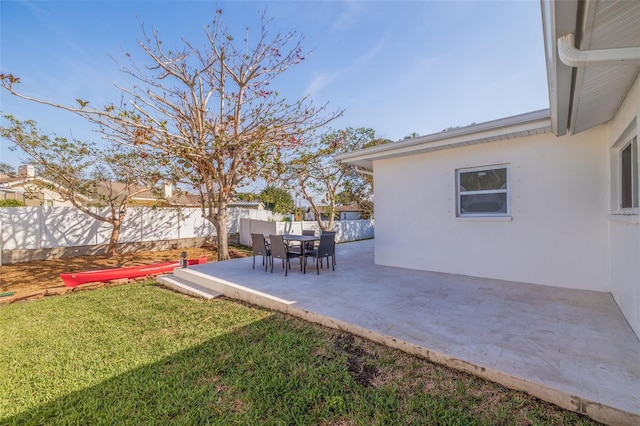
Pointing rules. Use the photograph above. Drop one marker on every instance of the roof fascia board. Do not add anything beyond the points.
(27, 180)
(548, 18)
(558, 19)
(450, 139)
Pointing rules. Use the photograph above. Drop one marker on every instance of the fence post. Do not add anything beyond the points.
(40, 227)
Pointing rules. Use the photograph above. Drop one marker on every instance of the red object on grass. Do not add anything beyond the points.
(104, 275)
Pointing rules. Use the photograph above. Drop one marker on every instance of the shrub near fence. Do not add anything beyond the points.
(43, 228)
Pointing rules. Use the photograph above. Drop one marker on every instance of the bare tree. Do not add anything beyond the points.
(211, 111)
(358, 185)
(100, 182)
(319, 177)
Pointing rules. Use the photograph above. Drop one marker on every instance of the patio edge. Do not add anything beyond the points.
(593, 409)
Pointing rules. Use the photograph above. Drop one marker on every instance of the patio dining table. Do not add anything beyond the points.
(303, 239)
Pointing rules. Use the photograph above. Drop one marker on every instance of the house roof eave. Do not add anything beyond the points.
(591, 50)
(558, 19)
(521, 125)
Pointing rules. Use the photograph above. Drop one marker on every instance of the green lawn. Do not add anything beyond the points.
(140, 354)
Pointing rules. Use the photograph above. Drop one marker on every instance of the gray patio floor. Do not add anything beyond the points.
(570, 347)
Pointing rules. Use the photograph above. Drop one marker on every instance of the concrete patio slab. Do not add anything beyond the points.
(573, 348)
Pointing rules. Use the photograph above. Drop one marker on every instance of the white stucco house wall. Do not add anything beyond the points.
(548, 197)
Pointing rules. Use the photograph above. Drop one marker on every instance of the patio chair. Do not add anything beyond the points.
(326, 248)
(303, 247)
(297, 247)
(260, 248)
(279, 250)
(311, 244)
(332, 233)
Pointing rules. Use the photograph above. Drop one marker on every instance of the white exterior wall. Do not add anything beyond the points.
(350, 216)
(48, 196)
(624, 231)
(53, 198)
(559, 198)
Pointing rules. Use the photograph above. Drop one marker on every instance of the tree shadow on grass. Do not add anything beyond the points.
(260, 374)
(274, 372)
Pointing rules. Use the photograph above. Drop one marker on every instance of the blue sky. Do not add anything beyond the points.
(397, 67)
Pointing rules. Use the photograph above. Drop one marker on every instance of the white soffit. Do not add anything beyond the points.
(518, 126)
(599, 90)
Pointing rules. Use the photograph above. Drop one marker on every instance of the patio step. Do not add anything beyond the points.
(187, 287)
(203, 278)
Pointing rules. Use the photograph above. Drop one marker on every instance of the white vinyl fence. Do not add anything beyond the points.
(25, 228)
(346, 230)
(43, 228)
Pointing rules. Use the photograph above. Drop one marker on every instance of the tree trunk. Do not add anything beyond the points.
(332, 211)
(330, 225)
(220, 222)
(223, 245)
(112, 249)
(331, 219)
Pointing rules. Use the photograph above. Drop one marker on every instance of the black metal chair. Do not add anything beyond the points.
(326, 249)
(279, 250)
(260, 248)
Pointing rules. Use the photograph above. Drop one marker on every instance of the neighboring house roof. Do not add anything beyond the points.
(585, 95)
(339, 209)
(148, 196)
(194, 199)
(522, 125)
(11, 181)
(16, 183)
(581, 97)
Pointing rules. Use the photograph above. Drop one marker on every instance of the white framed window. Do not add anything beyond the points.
(629, 175)
(483, 191)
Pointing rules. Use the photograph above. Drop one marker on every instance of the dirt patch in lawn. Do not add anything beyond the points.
(29, 277)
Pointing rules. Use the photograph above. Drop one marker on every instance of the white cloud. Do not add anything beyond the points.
(53, 27)
(349, 16)
(320, 80)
